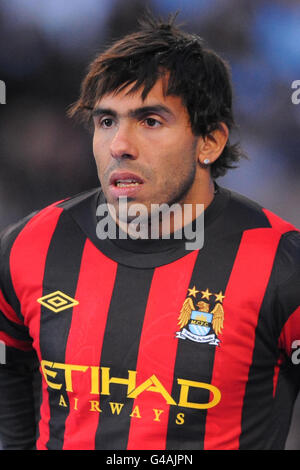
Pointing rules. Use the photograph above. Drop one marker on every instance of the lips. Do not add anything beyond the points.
(125, 184)
(125, 179)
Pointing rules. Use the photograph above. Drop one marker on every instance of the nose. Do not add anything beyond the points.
(123, 144)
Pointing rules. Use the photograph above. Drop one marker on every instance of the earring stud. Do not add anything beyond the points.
(206, 161)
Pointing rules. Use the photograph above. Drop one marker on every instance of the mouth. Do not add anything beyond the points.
(125, 179)
(125, 184)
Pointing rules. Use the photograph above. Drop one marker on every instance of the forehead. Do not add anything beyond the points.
(123, 101)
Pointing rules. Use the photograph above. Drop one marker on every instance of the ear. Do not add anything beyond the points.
(211, 146)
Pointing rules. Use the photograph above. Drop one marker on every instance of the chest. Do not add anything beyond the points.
(173, 323)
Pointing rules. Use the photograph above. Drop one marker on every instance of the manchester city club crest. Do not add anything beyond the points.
(200, 323)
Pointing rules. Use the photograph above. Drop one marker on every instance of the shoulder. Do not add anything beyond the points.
(269, 229)
(41, 220)
(287, 264)
(248, 214)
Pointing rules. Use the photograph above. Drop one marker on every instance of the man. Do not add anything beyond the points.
(142, 343)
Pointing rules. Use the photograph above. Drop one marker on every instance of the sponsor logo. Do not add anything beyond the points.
(59, 378)
(57, 301)
(200, 323)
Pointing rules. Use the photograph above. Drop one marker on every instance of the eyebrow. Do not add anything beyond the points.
(137, 113)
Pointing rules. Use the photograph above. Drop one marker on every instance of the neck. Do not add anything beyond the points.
(162, 222)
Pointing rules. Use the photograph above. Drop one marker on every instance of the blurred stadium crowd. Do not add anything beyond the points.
(46, 47)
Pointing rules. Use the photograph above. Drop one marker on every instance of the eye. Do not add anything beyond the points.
(106, 123)
(151, 122)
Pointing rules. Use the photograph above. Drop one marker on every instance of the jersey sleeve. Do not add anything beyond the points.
(287, 298)
(19, 387)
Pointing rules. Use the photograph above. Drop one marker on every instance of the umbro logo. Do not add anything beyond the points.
(57, 301)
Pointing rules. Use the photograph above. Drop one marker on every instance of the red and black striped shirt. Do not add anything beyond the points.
(141, 344)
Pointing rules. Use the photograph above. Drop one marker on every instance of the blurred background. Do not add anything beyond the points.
(46, 47)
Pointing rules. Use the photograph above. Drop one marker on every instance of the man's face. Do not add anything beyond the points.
(145, 150)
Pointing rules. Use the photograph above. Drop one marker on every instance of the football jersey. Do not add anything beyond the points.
(144, 344)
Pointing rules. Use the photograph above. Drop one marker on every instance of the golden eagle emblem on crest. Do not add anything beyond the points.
(203, 325)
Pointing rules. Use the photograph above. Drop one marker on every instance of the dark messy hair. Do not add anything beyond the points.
(196, 74)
